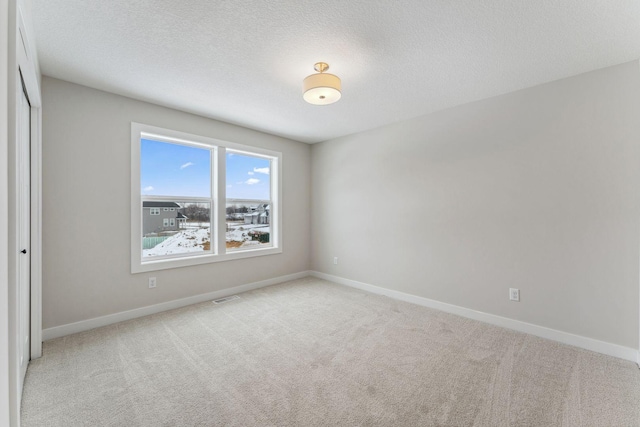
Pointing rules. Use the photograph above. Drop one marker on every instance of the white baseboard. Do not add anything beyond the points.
(603, 347)
(96, 322)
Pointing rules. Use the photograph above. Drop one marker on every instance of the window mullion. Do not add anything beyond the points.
(221, 187)
(147, 198)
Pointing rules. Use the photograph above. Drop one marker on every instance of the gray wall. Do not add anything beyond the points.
(536, 190)
(86, 165)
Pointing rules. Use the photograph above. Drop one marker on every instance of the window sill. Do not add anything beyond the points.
(165, 264)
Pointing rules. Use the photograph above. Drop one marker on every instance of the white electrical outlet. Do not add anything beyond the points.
(152, 282)
(335, 260)
(514, 294)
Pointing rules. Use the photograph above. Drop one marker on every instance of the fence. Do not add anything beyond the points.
(151, 242)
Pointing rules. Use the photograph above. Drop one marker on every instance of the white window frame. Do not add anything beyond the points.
(165, 222)
(172, 222)
(154, 211)
(218, 251)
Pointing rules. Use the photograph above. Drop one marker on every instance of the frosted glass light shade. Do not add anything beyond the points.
(322, 89)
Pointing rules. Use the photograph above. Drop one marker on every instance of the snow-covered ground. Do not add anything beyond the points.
(194, 239)
(187, 241)
(240, 232)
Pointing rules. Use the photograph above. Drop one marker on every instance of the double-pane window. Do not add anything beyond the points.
(199, 200)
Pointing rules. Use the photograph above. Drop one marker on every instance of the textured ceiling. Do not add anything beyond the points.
(243, 61)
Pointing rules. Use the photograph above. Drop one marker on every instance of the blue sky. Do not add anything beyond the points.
(178, 170)
(248, 177)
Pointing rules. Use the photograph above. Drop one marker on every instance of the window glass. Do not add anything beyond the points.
(248, 177)
(168, 169)
(182, 170)
(248, 204)
(188, 231)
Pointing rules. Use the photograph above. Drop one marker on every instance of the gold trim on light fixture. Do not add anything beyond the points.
(322, 88)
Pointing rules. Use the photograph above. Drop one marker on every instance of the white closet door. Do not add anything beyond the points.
(24, 233)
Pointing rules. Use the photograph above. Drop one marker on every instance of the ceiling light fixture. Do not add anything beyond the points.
(322, 88)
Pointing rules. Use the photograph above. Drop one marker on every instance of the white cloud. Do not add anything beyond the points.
(262, 170)
(252, 181)
(250, 173)
(186, 165)
(229, 186)
(149, 188)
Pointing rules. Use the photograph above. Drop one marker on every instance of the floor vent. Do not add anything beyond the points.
(225, 299)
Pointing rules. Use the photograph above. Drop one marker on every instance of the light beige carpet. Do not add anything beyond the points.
(312, 353)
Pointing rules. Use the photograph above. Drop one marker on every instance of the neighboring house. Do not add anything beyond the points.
(258, 214)
(161, 216)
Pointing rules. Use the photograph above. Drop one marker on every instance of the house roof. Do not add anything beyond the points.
(160, 205)
(180, 215)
